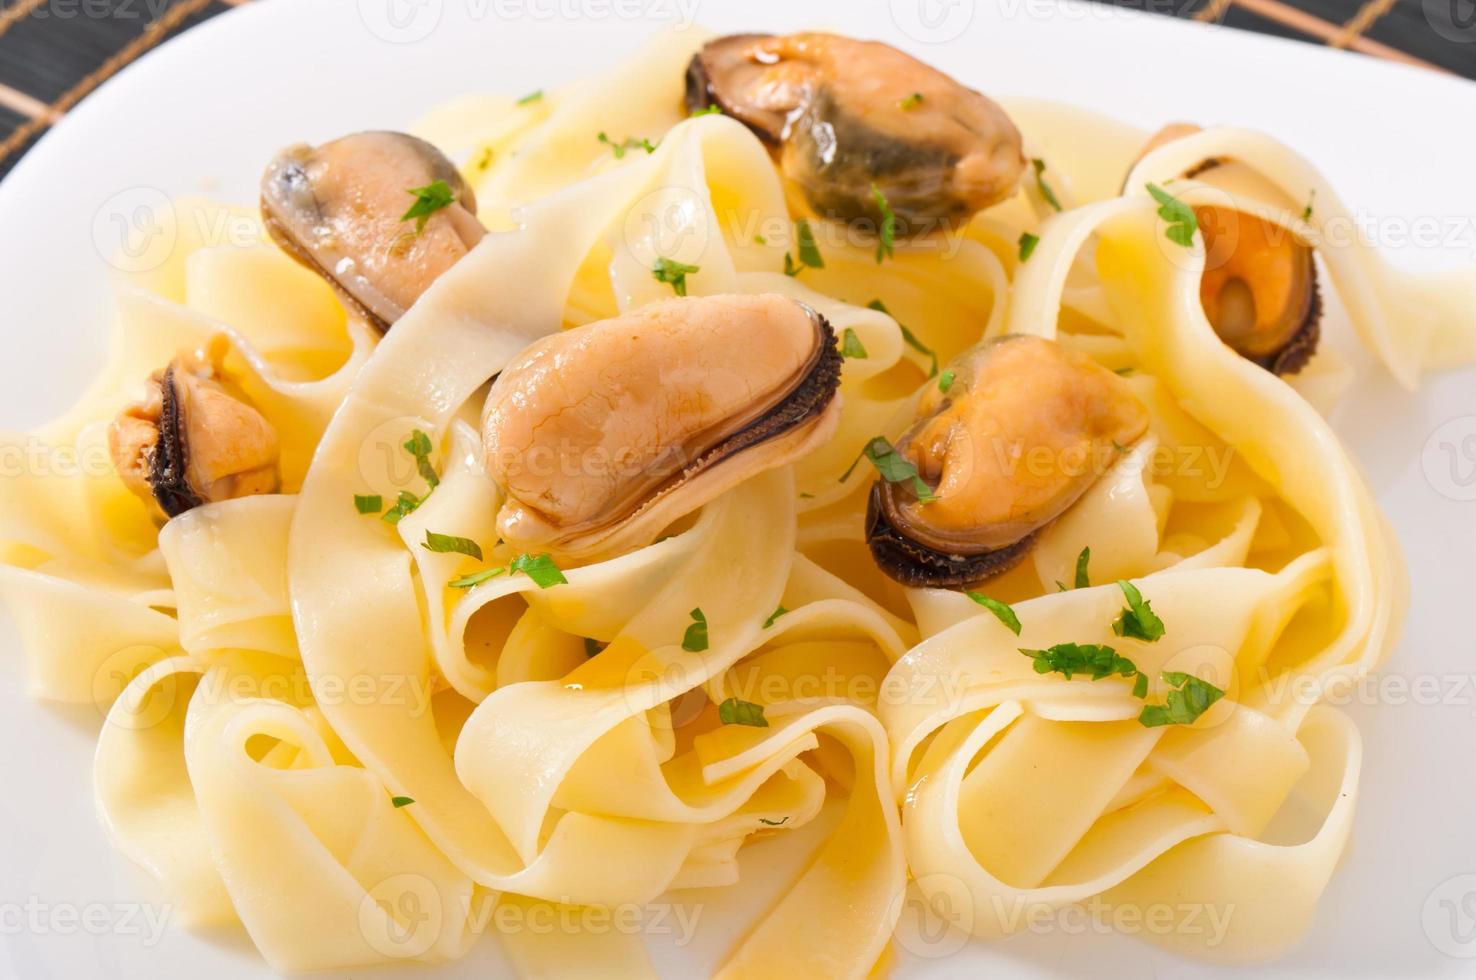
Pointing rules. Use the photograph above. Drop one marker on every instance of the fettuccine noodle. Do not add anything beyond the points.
(280, 672)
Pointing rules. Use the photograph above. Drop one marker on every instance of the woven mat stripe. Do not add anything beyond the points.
(1369, 14)
(151, 36)
(1350, 35)
(9, 18)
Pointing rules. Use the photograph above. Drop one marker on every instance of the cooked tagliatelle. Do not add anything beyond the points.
(766, 435)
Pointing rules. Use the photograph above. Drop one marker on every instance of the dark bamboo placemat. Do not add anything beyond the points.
(54, 52)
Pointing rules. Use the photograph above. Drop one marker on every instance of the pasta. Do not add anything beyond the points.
(350, 735)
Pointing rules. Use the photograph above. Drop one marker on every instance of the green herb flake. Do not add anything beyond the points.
(1083, 580)
(419, 446)
(476, 578)
(405, 505)
(627, 144)
(1089, 659)
(790, 268)
(708, 110)
(400, 801)
(371, 503)
(735, 711)
(451, 544)
(428, 200)
(485, 161)
(774, 823)
(531, 97)
(893, 467)
(774, 615)
(911, 102)
(695, 639)
(908, 336)
(1027, 245)
(760, 240)
(673, 272)
(1138, 621)
(1307, 211)
(946, 381)
(1001, 611)
(809, 252)
(540, 568)
(1180, 217)
(851, 345)
(1183, 706)
(1039, 166)
(887, 232)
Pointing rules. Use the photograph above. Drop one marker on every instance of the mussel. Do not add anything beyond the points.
(1025, 428)
(847, 116)
(1259, 288)
(604, 435)
(340, 209)
(194, 439)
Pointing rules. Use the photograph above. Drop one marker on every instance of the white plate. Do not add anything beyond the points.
(203, 112)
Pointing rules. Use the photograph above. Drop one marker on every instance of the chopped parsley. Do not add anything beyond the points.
(911, 102)
(476, 578)
(908, 336)
(1138, 621)
(531, 97)
(774, 615)
(486, 159)
(428, 200)
(735, 711)
(540, 568)
(1027, 244)
(945, 381)
(893, 467)
(1090, 659)
(790, 268)
(1001, 610)
(1180, 217)
(851, 345)
(629, 143)
(809, 252)
(1307, 211)
(1083, 580)
(400, 801)
(419, 446)
(708, 110)
(1183, 706)
(695, 639)
(406, 504)
(451, 544)
(760, 240)
(774, 823)
(368, 503)
(1039, 166)
(887, 231)
(673, 272)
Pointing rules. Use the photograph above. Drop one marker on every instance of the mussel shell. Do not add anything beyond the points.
(665, 393)
(169, 462)
(836, 152)
(351, 232)
(916, 565)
